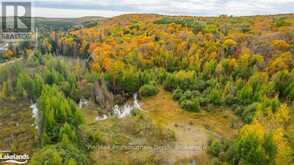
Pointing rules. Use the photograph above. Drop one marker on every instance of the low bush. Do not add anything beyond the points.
(214, 148)
(169, 83)
(148, 90)
(177, 94)
(191, 105)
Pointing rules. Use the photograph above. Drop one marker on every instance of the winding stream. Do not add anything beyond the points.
(83, 102)
(122, 111)
(117, 111)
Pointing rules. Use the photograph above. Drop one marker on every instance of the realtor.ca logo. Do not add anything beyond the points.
(14, 158)
(16, 22)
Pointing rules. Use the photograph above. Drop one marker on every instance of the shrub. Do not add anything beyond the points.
(210, 107)
(215, 161)
(191, 105)
(177, 94)
(148, 90)
(215, 96)
(187, 95)
(169, 83)
(283, 84)
(249, 113)
(214, 148)
(137, 114)
(245, 95)
(229, 100)
(203, 101)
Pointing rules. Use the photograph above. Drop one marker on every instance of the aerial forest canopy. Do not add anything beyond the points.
(242, 64)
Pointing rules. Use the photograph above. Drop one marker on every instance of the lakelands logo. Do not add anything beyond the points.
(16, 22)
(14, 158)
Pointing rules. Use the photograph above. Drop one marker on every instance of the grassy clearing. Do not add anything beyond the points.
(17, 131)
(168, 134)
(164, 111)
(90, 112)
(129, 140)
(190, 128)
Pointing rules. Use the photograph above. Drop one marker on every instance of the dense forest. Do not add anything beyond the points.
(241, 66)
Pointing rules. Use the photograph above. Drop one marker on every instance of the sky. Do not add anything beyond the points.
(109, 8)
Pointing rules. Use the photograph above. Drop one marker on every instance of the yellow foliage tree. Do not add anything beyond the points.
(284, 152)
(255, 128)
(8, 54)
(282, 62)
(280, 44)
(230, 43)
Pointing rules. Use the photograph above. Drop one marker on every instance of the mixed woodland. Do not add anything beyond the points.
(244, 65)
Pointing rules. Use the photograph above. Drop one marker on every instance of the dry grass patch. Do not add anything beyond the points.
(191, 129)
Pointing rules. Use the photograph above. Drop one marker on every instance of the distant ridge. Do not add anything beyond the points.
(70, 20)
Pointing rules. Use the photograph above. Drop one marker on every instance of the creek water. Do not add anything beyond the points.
(117, 111)
(83, 102)
(122, 111)
(35, 115)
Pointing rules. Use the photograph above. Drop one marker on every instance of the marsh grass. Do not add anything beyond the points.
(16, 130)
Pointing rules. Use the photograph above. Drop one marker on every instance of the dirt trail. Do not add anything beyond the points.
(192, 130)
